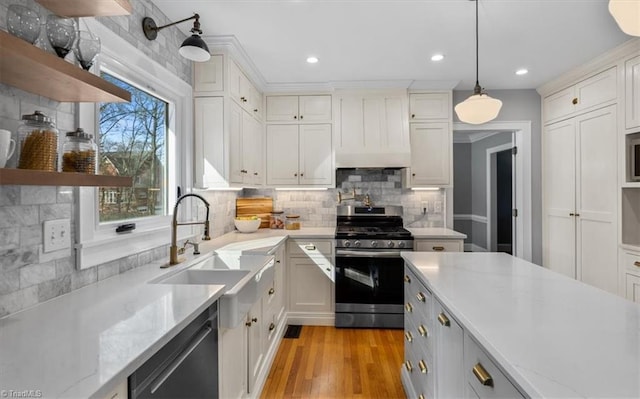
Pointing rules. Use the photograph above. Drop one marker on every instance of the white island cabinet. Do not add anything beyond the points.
(506, 328)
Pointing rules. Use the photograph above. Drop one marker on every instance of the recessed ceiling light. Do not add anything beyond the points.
(522, 71)
(312, 60)
(437, 57)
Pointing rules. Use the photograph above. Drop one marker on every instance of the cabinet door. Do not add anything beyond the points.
(255, 346)
(633, 287)
(596, 203)
(632, 93)
(232, 370)
(309, 288)
(450, 380)
(558, 173)
(255, 101)
(350, 129)
(282, 108)
(251, 150)
(431, 148)
(282, 154)
(209, 139)
(208, 76)
(314, 108)
(560, 104)
(236, 167)
(235, 82)
(279, 305)
(395, 129)
(316, 166)
(597, 89)
(425, 106)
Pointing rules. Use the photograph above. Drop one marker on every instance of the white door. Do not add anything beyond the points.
(282, 154)
(431, 148)
(559, 197)
(315, 154)
(282, 108)
(596, 203)
(236, 174)
(314, 108)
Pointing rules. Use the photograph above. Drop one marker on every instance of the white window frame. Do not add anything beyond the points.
(99, 243)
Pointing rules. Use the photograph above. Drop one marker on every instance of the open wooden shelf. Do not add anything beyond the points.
(90, 8)
(31, 69)
(26, 177)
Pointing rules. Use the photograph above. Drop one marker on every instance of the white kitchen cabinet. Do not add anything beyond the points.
(632, 93)
(630, 267)
(310, 288)
(580, 201)
(450, 378)
(255, 343)
(299, 155)
(232, 371)
(299, 109)
(431, 155)
(429, 106)
(596, 90)
(243, 92)
(208, 77)
(372, 129)
(246, 148)
(632, 283)
(438, 245)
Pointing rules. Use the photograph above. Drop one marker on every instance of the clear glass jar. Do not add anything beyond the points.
(79, 153)
(38, 142)
(292, 222)
(276, 220)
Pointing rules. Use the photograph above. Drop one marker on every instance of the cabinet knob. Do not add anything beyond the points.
(254, 319)
(577, 214)
(574, 101)
(482, 375)
(301, 116)
(242, 99)
(572, 214)
(408, 308)
(255, 173)
(438, 249)
(636, 263)
(278, 261)
(295, 117)
(328, 269)
(413, 174)
(423, 330)
(295, 174)
(255, 110)
(301, 174)
(413, 116)
(421, 297)
(271, 291)
(272, 327)
(444, 320)
(407, 279)
(423, 367)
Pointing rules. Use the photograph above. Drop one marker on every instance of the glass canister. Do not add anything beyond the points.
(79, 153)
(276, 220)
(292, 222)
(38, 142)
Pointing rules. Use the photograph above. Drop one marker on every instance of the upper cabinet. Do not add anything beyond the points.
(585, 95)
(372, 129)
(208, 76)
(431, 154)
(632, 92)
(242, 91)
(429, 106)
(299, 109)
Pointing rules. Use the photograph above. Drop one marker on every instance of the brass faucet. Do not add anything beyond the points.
(173, 249)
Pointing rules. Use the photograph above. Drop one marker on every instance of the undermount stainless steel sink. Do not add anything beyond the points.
(243, 287)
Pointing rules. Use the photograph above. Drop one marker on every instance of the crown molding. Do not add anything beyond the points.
(461, 137)
(231, 45)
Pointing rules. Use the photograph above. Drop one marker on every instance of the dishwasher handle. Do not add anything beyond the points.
(166, 373)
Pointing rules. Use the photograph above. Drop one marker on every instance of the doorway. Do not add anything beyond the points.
(500, 199)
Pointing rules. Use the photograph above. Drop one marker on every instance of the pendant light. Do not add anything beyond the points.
(193, 48)
(627, 15)
(478, 108)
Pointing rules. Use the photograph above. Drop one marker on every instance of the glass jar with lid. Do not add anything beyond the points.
(79, 152)
(38, 142)
(276, 220)
(292, 222)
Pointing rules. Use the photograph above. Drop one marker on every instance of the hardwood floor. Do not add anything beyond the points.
(327, 362)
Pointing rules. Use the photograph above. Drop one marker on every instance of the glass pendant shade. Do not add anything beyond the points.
(195, 49)
(478, 109)
(627, 15)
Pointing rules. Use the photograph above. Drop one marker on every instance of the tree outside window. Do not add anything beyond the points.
(132, 142)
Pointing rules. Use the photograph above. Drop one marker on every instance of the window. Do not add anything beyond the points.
(132, 142)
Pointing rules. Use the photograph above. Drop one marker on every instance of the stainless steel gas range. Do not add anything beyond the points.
(368, 268)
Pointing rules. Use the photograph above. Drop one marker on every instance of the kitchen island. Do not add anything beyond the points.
(551, 336)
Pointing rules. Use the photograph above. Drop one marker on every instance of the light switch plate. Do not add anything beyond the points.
(57, 235)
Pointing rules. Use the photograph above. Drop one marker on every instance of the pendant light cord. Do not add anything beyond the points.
(477, 89)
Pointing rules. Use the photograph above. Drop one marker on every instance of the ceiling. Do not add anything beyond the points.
(382, 42)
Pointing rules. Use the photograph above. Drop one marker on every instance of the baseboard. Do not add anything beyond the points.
(311, 319)
(468, 247)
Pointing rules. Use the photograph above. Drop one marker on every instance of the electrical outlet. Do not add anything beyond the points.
(425, 206)
(57, 235)
(437, 206)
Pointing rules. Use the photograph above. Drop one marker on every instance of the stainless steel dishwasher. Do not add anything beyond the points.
(186, 367)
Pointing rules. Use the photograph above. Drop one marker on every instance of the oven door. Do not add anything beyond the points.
(368, 283)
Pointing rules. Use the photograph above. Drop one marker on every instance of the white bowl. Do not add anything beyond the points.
(247, 226)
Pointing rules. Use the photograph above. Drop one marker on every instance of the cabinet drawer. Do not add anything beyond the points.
(310, 248)
(496, 383)
(631, 262)
(439, 246)
(418, 299)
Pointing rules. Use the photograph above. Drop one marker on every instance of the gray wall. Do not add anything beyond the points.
(27, 275)
(522, 105)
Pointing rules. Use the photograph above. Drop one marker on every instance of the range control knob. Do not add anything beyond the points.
(346, 243)
(401, 244)
(356, 244)
(390, 244)
(374, 244)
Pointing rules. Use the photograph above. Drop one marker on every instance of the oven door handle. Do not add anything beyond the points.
(381, 254)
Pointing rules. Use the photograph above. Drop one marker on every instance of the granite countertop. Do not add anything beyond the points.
(84, 343)
(555, 336)
(441, 233)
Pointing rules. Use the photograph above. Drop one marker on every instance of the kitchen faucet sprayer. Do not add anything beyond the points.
(173, 249)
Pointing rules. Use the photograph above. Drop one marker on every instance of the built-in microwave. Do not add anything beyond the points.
(634, 157)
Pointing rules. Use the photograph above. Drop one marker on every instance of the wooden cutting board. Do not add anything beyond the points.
(261, 207)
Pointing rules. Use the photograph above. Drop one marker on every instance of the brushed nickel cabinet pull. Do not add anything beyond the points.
(408, 336)
(408, 307)
(408, 366)
(423, 367)
(423, 330)
(407, 279)
(482, 375)
(438, 249)
(421, 297)
(574, 101)
(444, 320)
(636, 263)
